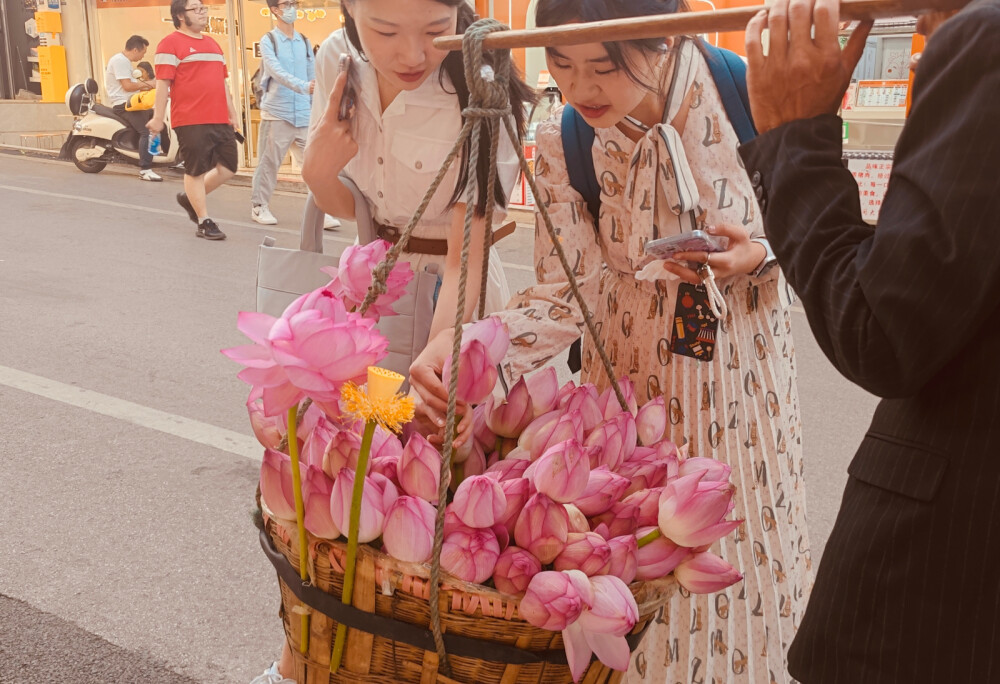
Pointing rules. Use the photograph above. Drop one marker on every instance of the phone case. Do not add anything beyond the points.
(696, 241)
(349, 98)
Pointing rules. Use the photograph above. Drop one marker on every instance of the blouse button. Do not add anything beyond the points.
(380, 194)
(419, 165)
(380, 160)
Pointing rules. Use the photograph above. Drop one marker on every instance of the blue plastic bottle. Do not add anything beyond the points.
(154, 145)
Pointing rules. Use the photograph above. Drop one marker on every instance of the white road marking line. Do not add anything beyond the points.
(143, 416)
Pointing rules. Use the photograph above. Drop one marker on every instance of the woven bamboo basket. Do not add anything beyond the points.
(475, 620)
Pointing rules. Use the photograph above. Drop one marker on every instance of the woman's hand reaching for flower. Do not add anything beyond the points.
(431, 395)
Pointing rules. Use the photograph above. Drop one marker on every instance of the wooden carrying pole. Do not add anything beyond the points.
(683, 23)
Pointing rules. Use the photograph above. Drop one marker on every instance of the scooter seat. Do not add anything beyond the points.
(104, 110)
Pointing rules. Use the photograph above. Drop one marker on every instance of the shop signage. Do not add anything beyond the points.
(872, 176)
(307, 14)
(107, 4)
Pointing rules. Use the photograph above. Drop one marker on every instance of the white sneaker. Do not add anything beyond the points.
(150, 175)
(330, 223)
(271, 676)
(263, 215)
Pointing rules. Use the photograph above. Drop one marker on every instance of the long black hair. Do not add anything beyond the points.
(520, 96)
(559, 12)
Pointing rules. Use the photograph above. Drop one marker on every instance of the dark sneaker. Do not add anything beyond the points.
(208, 230)
(183, 200)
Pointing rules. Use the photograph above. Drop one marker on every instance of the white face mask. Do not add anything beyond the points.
(289, 15)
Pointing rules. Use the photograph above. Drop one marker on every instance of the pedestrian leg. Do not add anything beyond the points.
(194, 188)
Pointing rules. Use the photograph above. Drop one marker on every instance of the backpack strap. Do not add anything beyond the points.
(730, 75)
(578, 149)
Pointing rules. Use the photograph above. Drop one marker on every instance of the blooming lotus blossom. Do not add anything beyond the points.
(317, 489)
(692, 511)
(420, 469)
(409, 529)
(508, 417)
(603, 489)
(375, 499)
(601, 628)
(479, 501)
(659, 557)
(554, 600)
(353, 277)
(705, 573)
(615, 439)
(543, 386)
(514, 569)
(276, 484)
(470, 554)
(542, 528)
(587, 552)
(562, 472)
(608, 400)
(517, 491)
(584, 400)
(342, 452)
(550, 429)
(484, 344)
(624, 562)
(714, 471)
(651, 421)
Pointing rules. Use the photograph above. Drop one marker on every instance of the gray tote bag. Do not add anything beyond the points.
(285, 274)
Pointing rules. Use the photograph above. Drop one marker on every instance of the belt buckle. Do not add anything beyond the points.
(390, 233)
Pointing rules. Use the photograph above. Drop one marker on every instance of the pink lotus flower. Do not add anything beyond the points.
(562, 472)
(624, 561)
(577, 520)
(470, 554)
(587, 552)
(692, 511)
(517, 492)
(484, 344)
(268, 430)
(387, 466)
(467, 461)
(603, 489)
(316, 442)
(317, 489)
(647, 504)
(616, 441)
(644, 475)
(508, 417)
(714, 471)
(543, 386)
(659, 557)
(584, 400)
(514, 570)
(479, 501)
(508, 469)
(276, 484)
(342, 452)
(385, 443)
(706, 573)
(651, 421)
(621, 518)
(420, 469)
(354, 276)
(608, 400)
(554, 600)
(409, 529)
(376, 498)
(542, 528)
(550, 429)
(601, 629)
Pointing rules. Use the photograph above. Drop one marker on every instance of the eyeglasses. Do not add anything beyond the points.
(200, 9)
(287, 5)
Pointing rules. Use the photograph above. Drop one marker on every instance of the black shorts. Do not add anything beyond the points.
(204, 146)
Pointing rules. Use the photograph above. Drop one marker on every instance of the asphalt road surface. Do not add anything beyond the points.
(127, 552)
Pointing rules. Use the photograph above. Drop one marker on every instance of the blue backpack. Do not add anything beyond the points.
(730, 75)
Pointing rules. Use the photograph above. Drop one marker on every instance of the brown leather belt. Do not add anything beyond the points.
(416, 245)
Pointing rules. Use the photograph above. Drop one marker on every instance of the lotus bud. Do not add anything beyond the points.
(562, 472)
(608, 400)
(419, 469)
(543, 386)
(644, 475)
(514, 570)
(577, 520)
(550, 431)
(342, 452)
(603, 530)
(614, 610)
(647, 503)
(706, 573)
(692, 512)
(508, 417)
(317, 488)
(384, 443)
(409, 529)
(584, 400)
(387, 466)
(564, 393)
(587, 552)
(603, 489)
(372, 506)
(517, 492)
(484, 344)
(659, 557)
(542, 528)
(620, 519)
(651, 421)
(268, 430)
(616, 439)
(624, 557)
(714, 471)
(314, 448)
(508, 469)
(276, 484)
(474, 463)
(470, 555)
(479, 501)
(554, 600)
(481, 431)
(502, 535)
(451, 522)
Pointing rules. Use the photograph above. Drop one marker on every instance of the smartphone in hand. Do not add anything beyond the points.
(348, 99)
(695, 241)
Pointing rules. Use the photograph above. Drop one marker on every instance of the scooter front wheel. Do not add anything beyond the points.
(87, 165)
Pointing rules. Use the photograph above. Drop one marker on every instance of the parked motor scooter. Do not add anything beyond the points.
(100, 136)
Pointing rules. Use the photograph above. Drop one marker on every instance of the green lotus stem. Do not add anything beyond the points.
(300, 515)
(650, 537)
(352, 540)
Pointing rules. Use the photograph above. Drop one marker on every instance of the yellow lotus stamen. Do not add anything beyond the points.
(391, 412)
(382, 383)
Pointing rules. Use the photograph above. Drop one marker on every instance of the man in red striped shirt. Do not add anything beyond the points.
(191, 71)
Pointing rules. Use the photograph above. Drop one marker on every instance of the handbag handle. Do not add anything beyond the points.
(311, 237)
